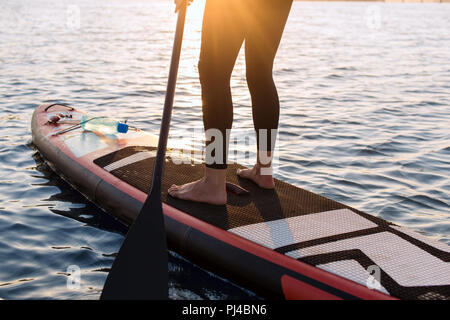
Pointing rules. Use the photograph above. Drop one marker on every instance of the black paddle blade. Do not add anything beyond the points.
(141, 276)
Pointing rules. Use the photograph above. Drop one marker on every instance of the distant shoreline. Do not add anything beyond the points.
(397, 1)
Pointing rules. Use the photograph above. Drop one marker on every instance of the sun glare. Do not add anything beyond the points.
(195, 10)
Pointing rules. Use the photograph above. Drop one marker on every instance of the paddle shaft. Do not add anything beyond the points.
(168, 103)
(140, 270)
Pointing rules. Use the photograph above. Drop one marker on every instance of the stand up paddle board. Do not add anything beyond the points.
(284, 243)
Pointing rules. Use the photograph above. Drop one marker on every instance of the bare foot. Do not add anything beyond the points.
(254, 174)
(200, 191)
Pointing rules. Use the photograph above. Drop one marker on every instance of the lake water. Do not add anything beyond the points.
(365, 118)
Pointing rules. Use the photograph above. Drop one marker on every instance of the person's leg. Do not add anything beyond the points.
(263, 34)
(222, 38)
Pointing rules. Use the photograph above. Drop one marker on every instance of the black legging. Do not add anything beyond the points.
(226, 24)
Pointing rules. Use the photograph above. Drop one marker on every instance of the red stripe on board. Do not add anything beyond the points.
(294, 289)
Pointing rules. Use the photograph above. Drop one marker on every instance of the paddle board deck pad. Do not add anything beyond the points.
(284, 243)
